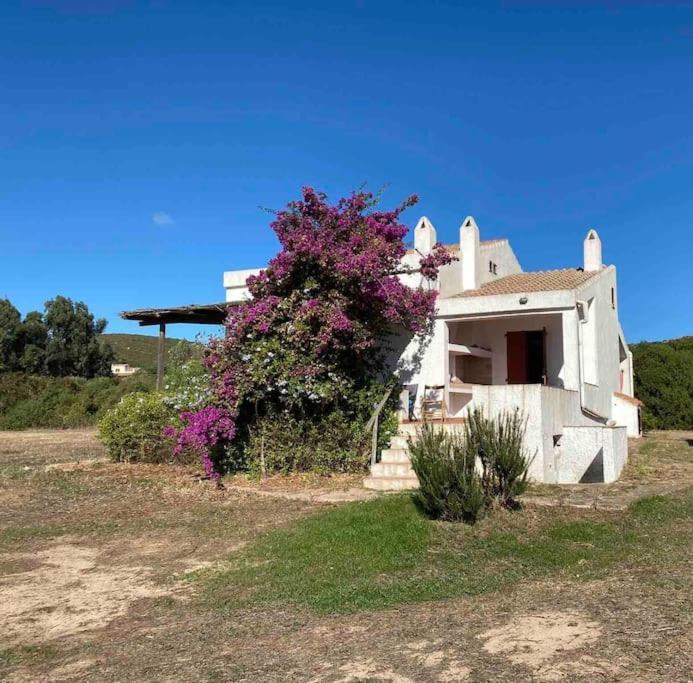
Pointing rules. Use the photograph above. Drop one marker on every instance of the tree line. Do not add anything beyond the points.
(664, 382)
(62, 341)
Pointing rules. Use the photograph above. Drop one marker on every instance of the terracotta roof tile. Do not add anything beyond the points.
(541, 281)
(628, 399)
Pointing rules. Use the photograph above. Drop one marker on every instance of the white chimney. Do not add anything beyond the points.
(424, 236)
(471, 256)
(592, 248)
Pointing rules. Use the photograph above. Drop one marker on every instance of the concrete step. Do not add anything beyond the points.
(395, 455)
(392, 469)
(412, 428)
(408, 429)
(398, 441)
(391, 483)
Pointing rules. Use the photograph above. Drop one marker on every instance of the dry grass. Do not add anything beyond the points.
(92, 557)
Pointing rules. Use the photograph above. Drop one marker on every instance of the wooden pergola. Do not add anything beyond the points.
(193, 314)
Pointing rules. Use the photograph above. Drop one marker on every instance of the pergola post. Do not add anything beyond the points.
(160, 357)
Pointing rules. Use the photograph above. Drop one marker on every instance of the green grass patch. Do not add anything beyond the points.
(27, 654)
(10, 536)
(15, 472)
(382, 553)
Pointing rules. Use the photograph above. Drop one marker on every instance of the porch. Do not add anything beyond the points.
(490, 350)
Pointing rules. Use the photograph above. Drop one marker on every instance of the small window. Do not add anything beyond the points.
(495, 271)
(490, 266)
(613, 299)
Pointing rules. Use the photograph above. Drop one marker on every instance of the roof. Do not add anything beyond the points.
(201, 314)
(540, 281)
(456, 247)
(628, 399)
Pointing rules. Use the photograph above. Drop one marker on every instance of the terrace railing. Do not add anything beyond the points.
(374, 421)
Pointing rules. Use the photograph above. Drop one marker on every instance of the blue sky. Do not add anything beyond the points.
(140, 141)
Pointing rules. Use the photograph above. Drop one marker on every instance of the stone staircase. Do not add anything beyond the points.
(393, 472)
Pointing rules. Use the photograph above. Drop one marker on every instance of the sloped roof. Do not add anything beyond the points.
(628, 399)
(540, 281)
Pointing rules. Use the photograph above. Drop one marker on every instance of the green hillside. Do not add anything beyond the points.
(139, 350)
(664, 382)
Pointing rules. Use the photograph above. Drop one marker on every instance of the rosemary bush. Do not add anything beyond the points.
(449, 485)
(463, 473)
(498, 443)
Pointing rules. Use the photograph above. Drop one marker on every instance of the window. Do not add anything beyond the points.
(613, 299)
(492, 268)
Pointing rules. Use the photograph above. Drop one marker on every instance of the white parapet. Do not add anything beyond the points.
(234, 283)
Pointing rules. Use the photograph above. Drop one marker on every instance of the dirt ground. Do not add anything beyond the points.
(93, 558)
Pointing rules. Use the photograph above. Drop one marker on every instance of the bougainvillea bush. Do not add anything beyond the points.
(311, 340)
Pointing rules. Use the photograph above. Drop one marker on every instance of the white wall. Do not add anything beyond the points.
(598, 394)
(553, 412)
(581, 445)
(234, 283)
(503, 256)
(625, 414)
(500, 252)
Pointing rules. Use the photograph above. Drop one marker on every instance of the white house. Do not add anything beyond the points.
(547, 342)
(123, 369)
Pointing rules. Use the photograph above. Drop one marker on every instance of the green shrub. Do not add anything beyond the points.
(498, 443)
(187, 384)
(333, 443)
(663, 374)
(449, 485)
(29, 401)
(321, 441)
(462, 473)
(132, 431)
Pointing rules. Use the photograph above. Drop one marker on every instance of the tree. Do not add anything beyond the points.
(311, 337)
(10, 320)
(33, 336)
(73, 347)
(62, 342)
(664, 382)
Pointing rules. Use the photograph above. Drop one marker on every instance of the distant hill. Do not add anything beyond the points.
(139, 350)
(664, 382)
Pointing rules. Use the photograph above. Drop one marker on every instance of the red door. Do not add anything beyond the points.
(517, 357)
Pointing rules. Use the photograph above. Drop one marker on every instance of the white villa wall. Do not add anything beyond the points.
(450, 278)
(616, 452)
(501, 253)
(234, 284)
(498, 251)
(550, 412)
(626, 367)
(581, 445)
(598, 394)
(626, 414)
(553, 412)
